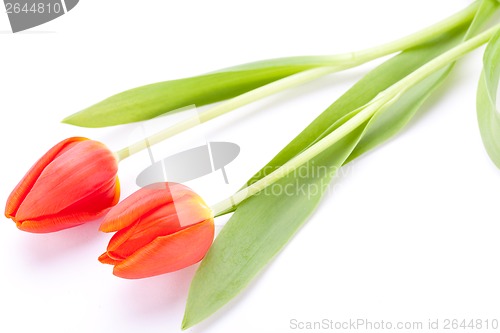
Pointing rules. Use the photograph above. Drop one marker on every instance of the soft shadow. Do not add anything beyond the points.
(56, 245)
(146, 298)
(233, 304)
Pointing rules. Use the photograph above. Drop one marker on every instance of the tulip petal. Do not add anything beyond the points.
(168, 253)
(106, 259)
(73, 175)
(140, 203)
(25, 185)
(131, 238)
(165, 220)
(96, 205)
(57, 223)
(102, 198)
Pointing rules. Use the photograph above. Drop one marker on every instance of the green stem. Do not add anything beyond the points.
(226, 107)
(382, 100)
(420, 37)
(326, 65)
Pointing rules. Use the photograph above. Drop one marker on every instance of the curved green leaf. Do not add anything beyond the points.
(487, 113)
(390, 121)
(152, 100)
(262, 225)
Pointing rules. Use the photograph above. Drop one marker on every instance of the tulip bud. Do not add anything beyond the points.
(159, 229)
(73, 183)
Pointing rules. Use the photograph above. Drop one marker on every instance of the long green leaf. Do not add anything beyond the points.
(258, 230)
(390, 121)
(152, 100)
(263, 224)
(487, 113)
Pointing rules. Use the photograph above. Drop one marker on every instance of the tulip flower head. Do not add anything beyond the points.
(159, 229)
(73, 183)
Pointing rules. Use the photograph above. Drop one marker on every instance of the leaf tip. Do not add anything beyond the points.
(193, 315)
(68, 120)
(81, 119)
(185, 323)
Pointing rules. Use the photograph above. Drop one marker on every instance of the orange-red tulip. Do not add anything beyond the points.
(74, 182)
(160, 228)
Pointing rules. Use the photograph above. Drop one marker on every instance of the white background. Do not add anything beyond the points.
(410, 231)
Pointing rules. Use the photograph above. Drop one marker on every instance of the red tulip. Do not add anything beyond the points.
(74, 182)
(160, 228)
